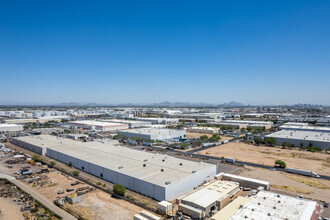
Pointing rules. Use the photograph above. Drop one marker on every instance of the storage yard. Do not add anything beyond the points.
(318, 162)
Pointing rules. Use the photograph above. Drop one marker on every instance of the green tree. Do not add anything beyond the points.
(270, 141)
(204, 138)
(119, 189)
(215, 137)
(280, 163)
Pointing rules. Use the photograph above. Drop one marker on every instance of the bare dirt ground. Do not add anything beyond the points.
(9, 210)
(317, 162)
(99, 205)
(283, 179)
(197, 135)
(55, 181)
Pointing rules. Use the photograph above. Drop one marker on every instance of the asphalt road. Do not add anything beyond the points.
(39, 197)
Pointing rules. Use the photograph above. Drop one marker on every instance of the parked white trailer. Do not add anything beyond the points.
(230, 160)
(302, 172)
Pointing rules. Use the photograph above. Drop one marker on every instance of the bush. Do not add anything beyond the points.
(270, 141)
(52, 163)
(75, 173)
(119, 189)
(35, 157)
(104, 185)
(204, 138)
(98, 183)
(280, 163)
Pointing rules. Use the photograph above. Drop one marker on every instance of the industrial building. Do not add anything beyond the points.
(212, 197)
(268, 205)
(158, 176)
(301, 138)
(5, 128)
(131, 123)
(244, 124)
(203, 130)
(162, 134)
(160, 120)
(243, 181)
(98, 125)
(303, 127)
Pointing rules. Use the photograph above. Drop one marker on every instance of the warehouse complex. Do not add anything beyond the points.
(10, 128)
(154, 134)
(301, 138)
(203, 130)
(158, 176)
(160, 120)
(303, 127)
(98, 125)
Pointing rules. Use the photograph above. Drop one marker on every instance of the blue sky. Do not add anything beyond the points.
(111, 52)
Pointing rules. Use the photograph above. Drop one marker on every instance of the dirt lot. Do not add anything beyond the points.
(197, 135)
(318, 162)
(9, 210)
(100, 205)
(318, 190)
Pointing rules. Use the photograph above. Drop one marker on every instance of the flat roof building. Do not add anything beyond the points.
(162, 134)
(131, 123)
(203, 130)
(158, 176)
(301, 138)
(160, 120)
(303, 127)
(4, 128)
(98, 125)
(213, 196)
(243, 124)
(268, 205)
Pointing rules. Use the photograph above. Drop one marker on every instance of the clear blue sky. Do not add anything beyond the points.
(254, 52)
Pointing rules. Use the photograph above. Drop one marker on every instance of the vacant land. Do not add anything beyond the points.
(100, 205)
(291, 184)
(318, 162)
(9, 210)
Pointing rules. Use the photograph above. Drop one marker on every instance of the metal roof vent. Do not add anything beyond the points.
(144, 165)
(180, 164)
(168, 182)
(163, 160)
(120, 167)
(145, 160)
(240, 206)
(194, 171)
(258, 203)
(161, 170)
(274, 207)
(268, 214)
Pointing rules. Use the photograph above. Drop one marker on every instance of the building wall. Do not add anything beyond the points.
(321, 144)
(31, 147)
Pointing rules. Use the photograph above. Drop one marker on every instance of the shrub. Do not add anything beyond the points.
(104, 185)
(35, 157)
(98, 183)
(280, 163)
(52, 163)
(119, 189)
(75, 173)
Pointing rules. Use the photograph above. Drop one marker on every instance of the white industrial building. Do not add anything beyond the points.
(303, 127)
(158, 176)
(161, 134)
(131, 123)
(4, 128)
(203, 130)
(268, 205)
(98, 125)
(244, 124)
(160, 120)
(212, 197)
(301, 138)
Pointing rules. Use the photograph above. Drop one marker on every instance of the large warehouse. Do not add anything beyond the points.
(155, 134)
(158, 176)
(131, 123)
(301, 138)
(98, 125)
(10, 128)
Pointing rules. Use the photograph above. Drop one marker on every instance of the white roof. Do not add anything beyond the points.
(267, 205)
(302, 135)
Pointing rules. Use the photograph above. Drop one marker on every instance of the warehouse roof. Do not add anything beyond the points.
(94, 123)
(231, 208)
(9, 125)
(152, 131)
(268, 205)
(304, 127)
(302, 135)
(211, 193)
(158, 168)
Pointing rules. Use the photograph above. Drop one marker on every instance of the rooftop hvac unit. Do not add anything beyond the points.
(167, 182)
(194, 171)
(161, 170)
(144, 165)
(120, 167)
